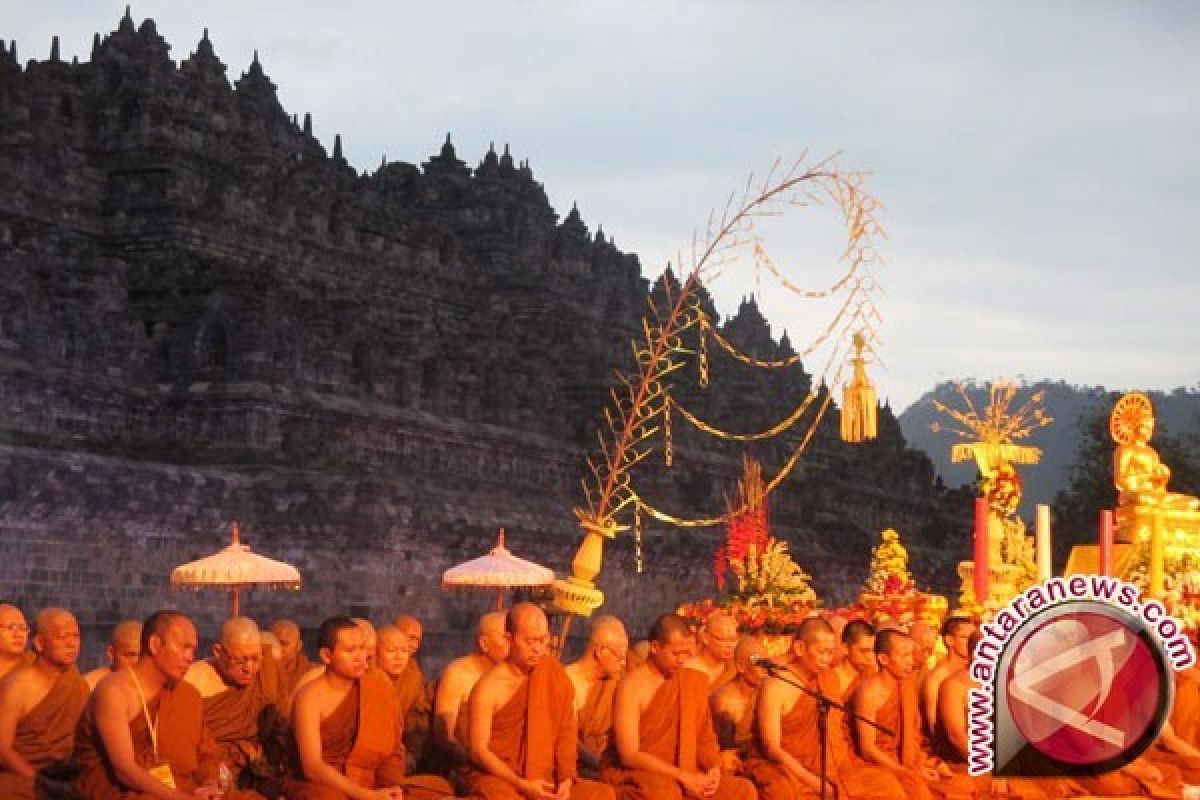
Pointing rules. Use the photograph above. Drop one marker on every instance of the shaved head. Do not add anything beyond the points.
(239, 629)
(492, 622)
(372, 640)
(411, 627)
(529, 636)
(49, 618)
(608, 630)
(392, 652)
(290, 640)
(812, 628)
(125, 632)
(57, 641)
(668, 627)
(14, 632)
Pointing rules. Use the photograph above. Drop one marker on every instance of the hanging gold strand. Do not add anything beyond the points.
(637, 537)
(668, 445)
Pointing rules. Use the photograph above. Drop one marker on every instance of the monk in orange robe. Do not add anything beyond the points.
(856, 658)
(956, 634)
(345, 724)
(293, 663)
(595, 677)
(733, 704)
(447, 752)
(14, 638)
(785, 762)
(717, 640)
(412, 692)
(664, 743)
(521, 729)
(142, 734)
(393, 657)
(240, 687)
(39, 708)
(124, 647)
(889, 699)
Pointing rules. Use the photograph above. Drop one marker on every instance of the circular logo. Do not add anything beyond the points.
(1088, 687)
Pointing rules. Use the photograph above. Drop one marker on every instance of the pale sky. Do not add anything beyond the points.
(1039, 161)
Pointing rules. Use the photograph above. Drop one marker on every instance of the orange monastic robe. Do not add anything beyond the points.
(901, 715)
(184, 744)
(240, 717)
(358, 739)
(414, 708)
(45, 736)
(800, 737)
(595, 717)
(534, 734)
(676, 727)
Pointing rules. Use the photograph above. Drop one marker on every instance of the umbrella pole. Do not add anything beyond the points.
(236, 589)
(500, 599)
(562, 637)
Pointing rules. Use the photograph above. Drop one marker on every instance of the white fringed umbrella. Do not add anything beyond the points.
(236, 567)
(498, 570)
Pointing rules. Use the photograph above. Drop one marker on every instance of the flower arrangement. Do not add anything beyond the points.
(772, 593)
(890, 594)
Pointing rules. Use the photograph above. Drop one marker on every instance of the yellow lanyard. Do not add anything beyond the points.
(146, 711)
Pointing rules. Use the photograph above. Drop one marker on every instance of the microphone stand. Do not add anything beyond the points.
(823, 705)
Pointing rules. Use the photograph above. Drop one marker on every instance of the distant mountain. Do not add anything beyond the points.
(1177, 411)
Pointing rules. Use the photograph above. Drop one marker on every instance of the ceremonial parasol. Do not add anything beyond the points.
(498, 570)
(235, 567)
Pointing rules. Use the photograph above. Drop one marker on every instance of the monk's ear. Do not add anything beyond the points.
(218, 651)
(109, 653)
(325, 654)
(39, 644)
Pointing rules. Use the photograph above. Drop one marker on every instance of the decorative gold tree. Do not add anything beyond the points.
(993, 436)
(638, 418)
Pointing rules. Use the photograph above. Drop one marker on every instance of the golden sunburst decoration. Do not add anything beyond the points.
(1127, 416)
(998, 423)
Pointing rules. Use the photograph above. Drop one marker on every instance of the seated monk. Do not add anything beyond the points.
(664, 744)
(124, 647)
(293, 662)
(522, 733)
(717, 640)
(951, 744)
(595, 677)
(956, 633)
(318, 670)
(857, 657)
(448, 750)
(393, 655)
(344, 723)
(412, 693)
(142, 733)
(885, 699)
(733, 704)
(39, 708)
(240, 689)
(14, 638)
(785, 762)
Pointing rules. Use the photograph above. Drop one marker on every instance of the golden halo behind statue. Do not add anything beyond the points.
(1127, 415)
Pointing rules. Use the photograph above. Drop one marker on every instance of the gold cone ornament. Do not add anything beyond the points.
(859, 402)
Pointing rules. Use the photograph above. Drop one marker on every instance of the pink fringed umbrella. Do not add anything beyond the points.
(499, 570)
(236, 567)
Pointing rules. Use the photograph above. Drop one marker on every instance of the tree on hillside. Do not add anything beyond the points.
(1077, 508)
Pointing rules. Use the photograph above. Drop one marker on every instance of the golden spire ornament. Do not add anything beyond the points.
(860, 417)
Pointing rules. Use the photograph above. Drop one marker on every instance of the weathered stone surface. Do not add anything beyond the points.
(204, 317)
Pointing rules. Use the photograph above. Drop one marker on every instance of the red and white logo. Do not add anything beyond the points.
(1086, 689)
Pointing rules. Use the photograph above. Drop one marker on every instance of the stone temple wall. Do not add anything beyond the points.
(206, 316)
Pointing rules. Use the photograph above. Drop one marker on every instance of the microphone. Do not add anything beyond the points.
(766, 663)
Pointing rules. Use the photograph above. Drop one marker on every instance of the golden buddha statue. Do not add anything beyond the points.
(1139, 474)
